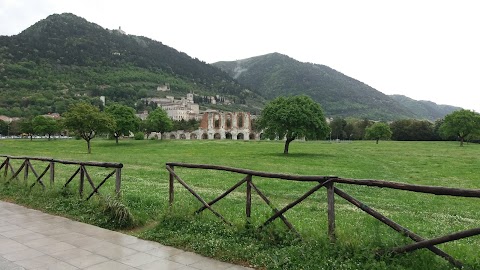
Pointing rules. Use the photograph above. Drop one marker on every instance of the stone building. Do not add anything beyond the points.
(178, 109)
(219, 125)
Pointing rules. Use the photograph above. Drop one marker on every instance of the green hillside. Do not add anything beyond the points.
(64, 58)
(425, 109)
(275, 75)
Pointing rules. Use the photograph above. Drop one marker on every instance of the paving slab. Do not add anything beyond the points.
(30, 239)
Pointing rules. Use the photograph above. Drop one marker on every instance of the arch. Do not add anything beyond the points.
(228, 136)
(216, 120)
(183, 137)
(240, 136)
(217, 136)
(204, 136)
(251, 136)
(228, 121)
(172, 136)
(240, 120)
(193, 136)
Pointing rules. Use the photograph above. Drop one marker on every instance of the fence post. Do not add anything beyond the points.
(118, 180)
(82, 179)
(248, 209)
(170, 187)
(6, 168)
(25, 178)
(331, 211)
(52, 173)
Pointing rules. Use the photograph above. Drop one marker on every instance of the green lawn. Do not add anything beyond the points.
(145, 193)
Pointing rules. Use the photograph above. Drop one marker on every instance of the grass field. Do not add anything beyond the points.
(145, 193)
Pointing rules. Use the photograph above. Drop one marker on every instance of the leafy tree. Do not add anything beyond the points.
(125, 119)
(189, 125)
(378, 131)
(86, 121)
(158, 121)
(4, 128)
(461, 123)
(293, 117)
(412, 130)
(356, 128)
(15, 127)
(337, 127)
(26, 127)
(45, 125)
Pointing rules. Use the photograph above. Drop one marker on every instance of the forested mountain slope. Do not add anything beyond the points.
(64, 58)
(425, 109)
(275, 75)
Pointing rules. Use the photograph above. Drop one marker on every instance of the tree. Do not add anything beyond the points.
(125, 119)
(337, 127)
(26, 127)
(158, 121)
(189, 125)
(293, 117)
(3, 128)
(461, 124)
(378, 131)
(86, 121)
(45, 125)
(412, 130)
(14, 128)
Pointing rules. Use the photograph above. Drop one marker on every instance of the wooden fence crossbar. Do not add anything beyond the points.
(437, 241)
(95, 190)
(39, 178)
(3, 164)
(275, 210)
(13, 171)
(415, 188)
(82, 169)
(223, 195)
(15, 174)
(70, 162)
(302, 178)
(197, 196)
(73, 176)
(292, 204)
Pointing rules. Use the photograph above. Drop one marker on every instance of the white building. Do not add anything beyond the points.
(183, 108)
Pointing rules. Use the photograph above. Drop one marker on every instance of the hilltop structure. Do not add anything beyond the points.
(182, 109)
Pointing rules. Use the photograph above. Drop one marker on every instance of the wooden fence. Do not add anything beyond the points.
(329, 183)
(82, 171)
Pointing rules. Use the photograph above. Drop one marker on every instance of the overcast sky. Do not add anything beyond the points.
(427, 50)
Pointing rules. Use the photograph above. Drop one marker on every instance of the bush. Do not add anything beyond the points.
(117, 212)
(139, 136)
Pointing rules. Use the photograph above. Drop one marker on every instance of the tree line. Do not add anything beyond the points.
(460, 125)
(286, 118)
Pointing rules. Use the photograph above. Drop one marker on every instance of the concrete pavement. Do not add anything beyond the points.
(30, 239)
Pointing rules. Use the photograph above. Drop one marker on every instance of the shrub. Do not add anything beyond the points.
(139, 136)
(117, 212)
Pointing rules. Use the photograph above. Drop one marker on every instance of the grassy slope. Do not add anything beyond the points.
(145, 184)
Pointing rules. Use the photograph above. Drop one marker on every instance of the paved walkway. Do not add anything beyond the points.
(30, 239)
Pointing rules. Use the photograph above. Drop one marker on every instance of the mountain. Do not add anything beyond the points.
(424, 109)
(274, 75)
(64, 58)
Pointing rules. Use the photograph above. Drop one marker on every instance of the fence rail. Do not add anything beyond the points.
(329, 183)
(82, 171)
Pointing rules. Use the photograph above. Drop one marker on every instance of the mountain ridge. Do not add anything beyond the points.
(276, 74)
(65, 56)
